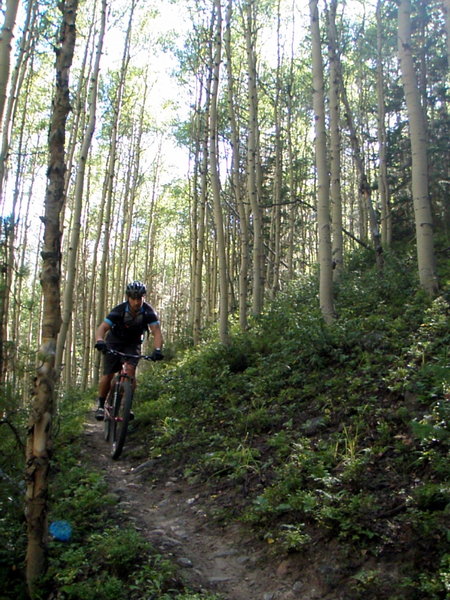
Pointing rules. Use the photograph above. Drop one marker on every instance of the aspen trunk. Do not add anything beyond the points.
(418, 139)
(367, 209)
(243, 220)
(78, 201)
(5, 50)
(383, 184)
(323, 204)
(335, 147)
(215, 182)
(446, 9)
(199, 210)
(273, 277)
(253, 183)
(109, 187)
(39, 428)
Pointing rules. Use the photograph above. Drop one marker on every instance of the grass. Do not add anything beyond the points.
(337, 433)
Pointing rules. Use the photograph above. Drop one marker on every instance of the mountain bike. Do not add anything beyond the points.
(118, 404)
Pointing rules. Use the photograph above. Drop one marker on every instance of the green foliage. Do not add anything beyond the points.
(106, 559)
(334, 431)
(12, 489)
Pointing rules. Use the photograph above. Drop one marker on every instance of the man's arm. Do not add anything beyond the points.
(102, 329)
(157, 335)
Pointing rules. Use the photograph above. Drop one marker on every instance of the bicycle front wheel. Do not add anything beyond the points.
(122, 409)
(109, 407)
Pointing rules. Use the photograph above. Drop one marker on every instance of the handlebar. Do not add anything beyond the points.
(125, 356)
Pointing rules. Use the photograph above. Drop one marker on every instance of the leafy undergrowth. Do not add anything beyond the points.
(323, 437)
(105, 557)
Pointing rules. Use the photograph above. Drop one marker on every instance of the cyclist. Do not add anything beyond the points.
(124, 328)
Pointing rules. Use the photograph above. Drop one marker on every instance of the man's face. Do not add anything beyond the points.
(135, 303)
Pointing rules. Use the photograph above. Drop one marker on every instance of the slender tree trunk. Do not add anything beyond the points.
(8, 225)
(17, 79)
(5, 50)
(293, 213)
(215, 181)
(323, 203)
(110, 182)
(39, 428)
(252, 164)
(78, 200)
(383, 183)
(446, 9)
(417, 133)
(200, 247)
(368, 211)
(335, 148)
(235, 172)
(200, 196)
(275, 239)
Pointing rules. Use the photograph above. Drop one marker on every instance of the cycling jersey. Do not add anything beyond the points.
(129, 329)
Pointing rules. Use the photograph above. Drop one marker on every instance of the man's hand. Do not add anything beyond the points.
(101, 346)
(157, 354)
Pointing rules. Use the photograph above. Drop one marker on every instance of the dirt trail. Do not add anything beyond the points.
(173, 516)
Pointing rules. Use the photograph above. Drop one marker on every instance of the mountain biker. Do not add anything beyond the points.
(124, 329)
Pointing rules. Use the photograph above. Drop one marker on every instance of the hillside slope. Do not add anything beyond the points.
(331, 443)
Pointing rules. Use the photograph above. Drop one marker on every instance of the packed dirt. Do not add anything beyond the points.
(173, 515)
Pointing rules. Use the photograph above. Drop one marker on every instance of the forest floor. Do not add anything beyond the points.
(172, 515)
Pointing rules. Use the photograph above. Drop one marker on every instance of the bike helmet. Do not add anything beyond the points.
(136, 289)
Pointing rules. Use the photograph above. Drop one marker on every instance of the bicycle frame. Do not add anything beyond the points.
(118, 404)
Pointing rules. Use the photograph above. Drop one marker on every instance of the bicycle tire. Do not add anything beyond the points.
(106, 429)
(107, 422)
(122, 409)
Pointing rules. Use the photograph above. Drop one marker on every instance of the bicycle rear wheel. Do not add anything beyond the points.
(122, 409)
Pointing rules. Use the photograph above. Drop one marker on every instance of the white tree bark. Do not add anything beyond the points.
(253, 183)
(5, 50)
(323, 200)
(383, 184)
(215, 182)
(335, 147)
(418, 139)
(78, 201)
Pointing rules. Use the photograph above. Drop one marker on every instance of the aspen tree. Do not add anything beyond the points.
(78, 200)
(5, 50)
(102, 282)
(446, 9)
(383, 183)
(8, 225)
(335, 146)
(200, 200)
(43, 406)
(244, 249)
(418, 140)
(253, 166)
(323, 203)
(367, 209)
(215, 180)
(273, 274)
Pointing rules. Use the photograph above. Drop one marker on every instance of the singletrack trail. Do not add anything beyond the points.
(173, 516)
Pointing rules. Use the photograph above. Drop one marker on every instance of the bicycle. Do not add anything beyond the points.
(118, 404)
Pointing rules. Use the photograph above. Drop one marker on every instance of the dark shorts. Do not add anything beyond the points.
(112, 364)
